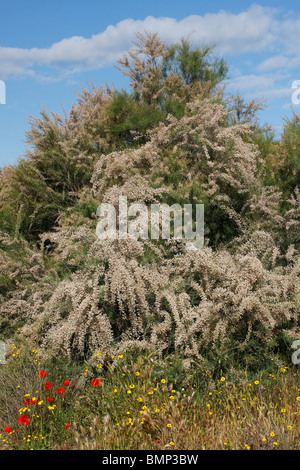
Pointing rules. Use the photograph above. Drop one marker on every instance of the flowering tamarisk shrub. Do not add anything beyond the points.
(75, 294)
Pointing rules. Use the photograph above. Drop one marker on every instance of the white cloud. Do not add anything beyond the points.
(251, 83)
(280, 62)
(270, 87)
(289, 33)
(255, 30)
(287, 44)
(251, 30)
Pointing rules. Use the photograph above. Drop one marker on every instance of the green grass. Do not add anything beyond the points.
(143, 404)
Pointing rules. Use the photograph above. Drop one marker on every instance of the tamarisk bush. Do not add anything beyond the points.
(237, 298)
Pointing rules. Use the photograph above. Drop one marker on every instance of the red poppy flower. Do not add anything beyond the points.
(50, 399)
(33, 401)
(27, 401)
(48, 385)
(23, 420)
(66, 382)
(68, 425)
(42, 373)
(96, 382)
(7, 429)
(157, 441)
(60, 391)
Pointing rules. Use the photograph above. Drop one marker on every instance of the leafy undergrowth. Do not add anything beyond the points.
(140, 402)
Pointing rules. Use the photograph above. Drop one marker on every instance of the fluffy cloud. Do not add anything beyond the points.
(258, 29)
(269, 86)
(248, 31)
(280, 62)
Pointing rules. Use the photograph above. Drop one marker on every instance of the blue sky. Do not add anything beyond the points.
(48, 49)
